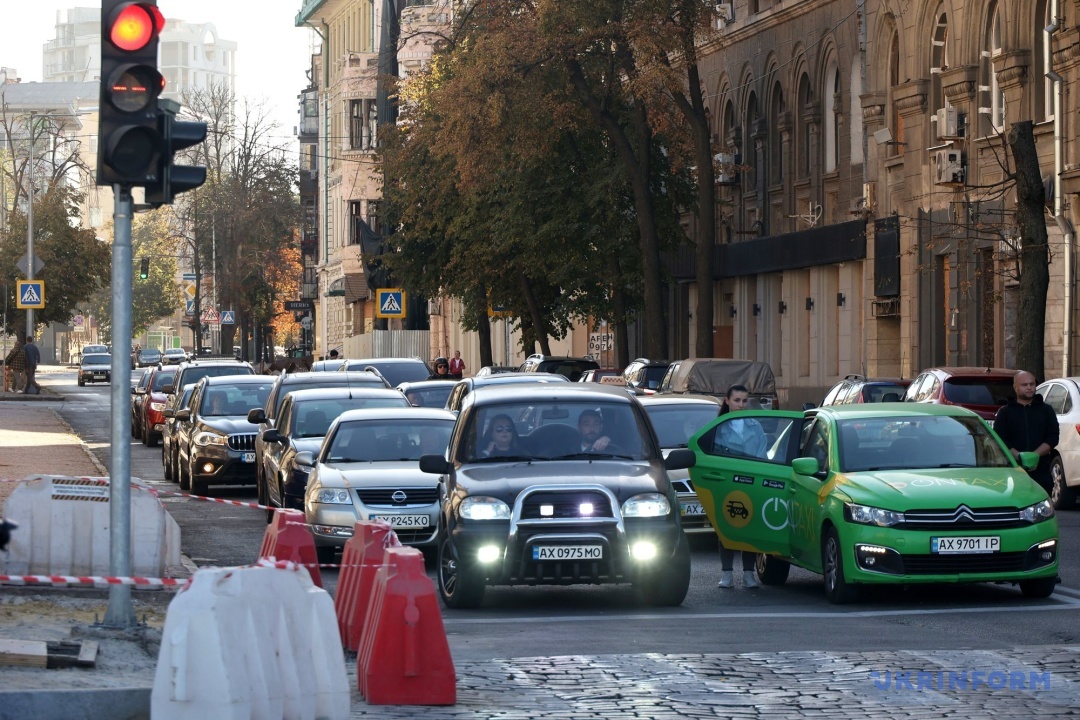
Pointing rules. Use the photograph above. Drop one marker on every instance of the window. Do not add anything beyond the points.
(362, 122)
(992, 99)
(1055, 396)
(802, 135)
(829, 111)
(939, 62)
(893, 118)
(750, 154)
(1044, 91)
(856, 125)
(776, 138)
(373, 219)
(817, 445)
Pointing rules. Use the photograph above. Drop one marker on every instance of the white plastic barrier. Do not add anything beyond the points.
(64, 528)
(250, 643)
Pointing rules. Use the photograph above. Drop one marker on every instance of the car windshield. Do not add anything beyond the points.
(235, 400)
(652, 377)
(398, 440)
(979, 391)
(675, 424)
(97, 359)
(550, 430)
(161, 379)
(175, 351)
(878, 392)
(312, 418)
(917, 443)
(434, 396)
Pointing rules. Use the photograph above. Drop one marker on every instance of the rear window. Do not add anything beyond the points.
(161, 379)
(877, 392)
(651, 377)
(195, 374)
(979, 391)
(322, 382)
(396, 372)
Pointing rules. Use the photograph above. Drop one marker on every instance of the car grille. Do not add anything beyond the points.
(963, 517)
(414, 535)
(566, 505)
(385, 497)
(682, 486)
(243, 443)
(565, 572)
(958, 564)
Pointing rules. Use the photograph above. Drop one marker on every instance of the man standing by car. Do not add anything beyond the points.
(1027, 424)
(33, 359)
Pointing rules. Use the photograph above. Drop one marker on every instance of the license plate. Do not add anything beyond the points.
(99, 375)
(567, 552)
(404, 521)
(692, 508)
(247, 457)
(965, 545)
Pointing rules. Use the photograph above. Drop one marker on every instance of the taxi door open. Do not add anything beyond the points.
(742, 477)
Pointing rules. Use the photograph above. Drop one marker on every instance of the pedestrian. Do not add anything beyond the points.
(33, 359)
(1027, 424)
(457, 365)
(742, 437)
(16, 365)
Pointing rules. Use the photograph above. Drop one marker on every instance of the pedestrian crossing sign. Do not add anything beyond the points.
(31, 295)
(390, 303)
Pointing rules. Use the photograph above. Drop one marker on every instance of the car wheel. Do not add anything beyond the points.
(145, 437)
(166, 464)
(667, 587)
(1061, 495)
(837, 589)
(1039, 588)
(82, 383)
(771, 570)
(183, 475)
(460, 586)
(134, 427)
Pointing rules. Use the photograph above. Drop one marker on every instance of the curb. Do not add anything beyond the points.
(116, 703)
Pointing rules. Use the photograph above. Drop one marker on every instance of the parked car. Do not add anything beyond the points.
(859, 389)
(174, 356)
(220, 448)
(300, 425)
(644, 375)
(547, 511)
(367, 469)
(176, 431)
(192, 371)
(152, 419)
(138, 397)
(95, 368)
(495, 370)
(463, 388)
(675, 419)
(879, 494)
(1063, 395)
(570, 367)
(148, 357)
(981, 390)
(713, 376)
(427, 393)
(395, 370)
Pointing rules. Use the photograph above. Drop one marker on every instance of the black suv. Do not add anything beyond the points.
(395, 370)
(571, 368)
(192, 371)
(531, 500)
(645, 375)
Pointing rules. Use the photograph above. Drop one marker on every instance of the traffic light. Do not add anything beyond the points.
(144, 269)
(129, 143)
(173, 179)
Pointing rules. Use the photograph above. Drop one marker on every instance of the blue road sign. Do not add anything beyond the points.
(189, 307)
(390, 303)
(31, 295)
(228, 317)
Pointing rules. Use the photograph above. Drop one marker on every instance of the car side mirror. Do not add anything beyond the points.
(134, 391)
(306, 458)
(169, 413)
(1029, 460)
(808, 406)
(168, 389)
(271, 435)
(805, 466)
(435, 464)
(184, 414)
(680, 459)
(257, 416)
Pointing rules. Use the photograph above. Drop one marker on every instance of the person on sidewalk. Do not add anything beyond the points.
(748, 439)
(1027, 424)
(33, 359)
(457, 365)
(16, 365)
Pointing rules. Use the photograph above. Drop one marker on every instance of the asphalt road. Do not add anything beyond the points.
(540, 621)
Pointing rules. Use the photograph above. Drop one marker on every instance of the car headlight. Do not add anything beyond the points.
(646, 505)
(333, 496)
(1038, 512)
(866, 515)
(208, 438)
(157, 406)
(484, 508)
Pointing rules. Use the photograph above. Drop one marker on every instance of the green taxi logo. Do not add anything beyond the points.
(737, 509)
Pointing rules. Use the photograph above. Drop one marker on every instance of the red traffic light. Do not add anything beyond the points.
(134, 25)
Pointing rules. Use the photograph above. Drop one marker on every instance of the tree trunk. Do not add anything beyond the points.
(706, 214)
(1034, 251)
(483, 329)
(618, 300)
(539, 329)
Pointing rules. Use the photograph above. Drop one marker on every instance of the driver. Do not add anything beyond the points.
(591, 429)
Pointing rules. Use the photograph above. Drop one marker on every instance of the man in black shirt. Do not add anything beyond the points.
(1027, 424)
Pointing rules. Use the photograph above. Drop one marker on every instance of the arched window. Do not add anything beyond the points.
(776, 138)
(750, 145)
(939, 62)
(802, 136)
(992, 100)
(1044, 88)
(893, 118)
(829, 109)
(856, 123)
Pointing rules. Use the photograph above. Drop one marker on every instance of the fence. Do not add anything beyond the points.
(390, 343)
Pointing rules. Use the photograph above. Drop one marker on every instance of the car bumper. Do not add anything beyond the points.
(332, 523)
(888, 556)
(94, 377)
(693, 517)
(221, 466)
(155, 422)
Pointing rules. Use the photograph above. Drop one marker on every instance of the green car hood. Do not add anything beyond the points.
(903, 490)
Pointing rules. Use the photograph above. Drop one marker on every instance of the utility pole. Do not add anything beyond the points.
(30, 225)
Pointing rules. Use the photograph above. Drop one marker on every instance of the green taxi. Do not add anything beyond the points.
(888, 493)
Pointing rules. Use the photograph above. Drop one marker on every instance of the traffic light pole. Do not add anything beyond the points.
(120, 613)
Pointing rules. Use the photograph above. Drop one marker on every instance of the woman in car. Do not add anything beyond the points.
(501, 438)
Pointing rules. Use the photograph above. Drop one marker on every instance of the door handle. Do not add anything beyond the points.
(713, 476)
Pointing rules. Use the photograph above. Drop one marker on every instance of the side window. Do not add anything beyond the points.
(913, 389)
(817, 444)
(284, 418)
(1055, 396)
(1067, 406)
(830, 398)
(271, 401)
(766, 439)
(930, 389)
(851, 394)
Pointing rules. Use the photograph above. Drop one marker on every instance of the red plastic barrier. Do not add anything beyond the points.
(404, 658)
(288, 538)
(360, 559)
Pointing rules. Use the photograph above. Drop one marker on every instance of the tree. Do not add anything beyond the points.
(1034, 251)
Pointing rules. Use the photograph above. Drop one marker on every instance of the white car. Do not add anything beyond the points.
(1063, 395)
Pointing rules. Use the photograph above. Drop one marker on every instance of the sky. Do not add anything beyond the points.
(272, 55)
